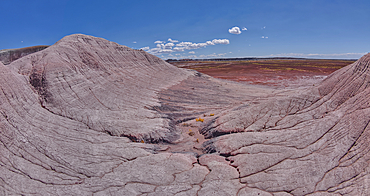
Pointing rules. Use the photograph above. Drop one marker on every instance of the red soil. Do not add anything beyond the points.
(273, 72)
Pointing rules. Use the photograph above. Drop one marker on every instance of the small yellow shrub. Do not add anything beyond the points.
(199, 119)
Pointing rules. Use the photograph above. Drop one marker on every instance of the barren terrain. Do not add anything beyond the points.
(9, 55)
(271, 72)
(87, 116)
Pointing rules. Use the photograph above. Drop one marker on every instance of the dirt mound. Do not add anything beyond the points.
(90, 117)
(102, 84)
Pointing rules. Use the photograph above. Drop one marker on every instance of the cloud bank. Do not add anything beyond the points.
(163, 48)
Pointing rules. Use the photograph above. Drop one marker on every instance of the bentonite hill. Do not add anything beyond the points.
(87, 116)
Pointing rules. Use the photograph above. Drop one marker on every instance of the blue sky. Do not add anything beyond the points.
(197, 29)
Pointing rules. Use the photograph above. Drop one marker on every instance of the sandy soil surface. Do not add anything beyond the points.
(275, 72)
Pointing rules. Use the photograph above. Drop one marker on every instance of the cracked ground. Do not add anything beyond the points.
(90, 117)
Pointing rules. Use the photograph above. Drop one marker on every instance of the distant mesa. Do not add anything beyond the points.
(9, 55)
(87, 116)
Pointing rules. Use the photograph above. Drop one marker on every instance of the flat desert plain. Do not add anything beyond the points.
(271, 72)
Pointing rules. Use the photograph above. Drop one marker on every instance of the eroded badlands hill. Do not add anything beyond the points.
(90, 117)
(9, 55)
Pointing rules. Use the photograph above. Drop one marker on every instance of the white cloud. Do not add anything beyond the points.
(263, 27)
(263, 37)
(182, 46)
(168, 45)
(154, 50)
(171, 40)
(134, 42)
(244, 29)
(190, 45)
(165, 51)
(210, 43)
(235, 30)
(191, 52)
(220, 41)
(145, 48)
(158, 42)
(178, 49)
(196, 46)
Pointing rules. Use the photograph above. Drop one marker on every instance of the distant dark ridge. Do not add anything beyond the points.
(9, 55)
(252, 59)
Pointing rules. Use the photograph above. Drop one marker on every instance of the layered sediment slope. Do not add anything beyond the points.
(90, 117)
(103, 85)
(9, 55)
